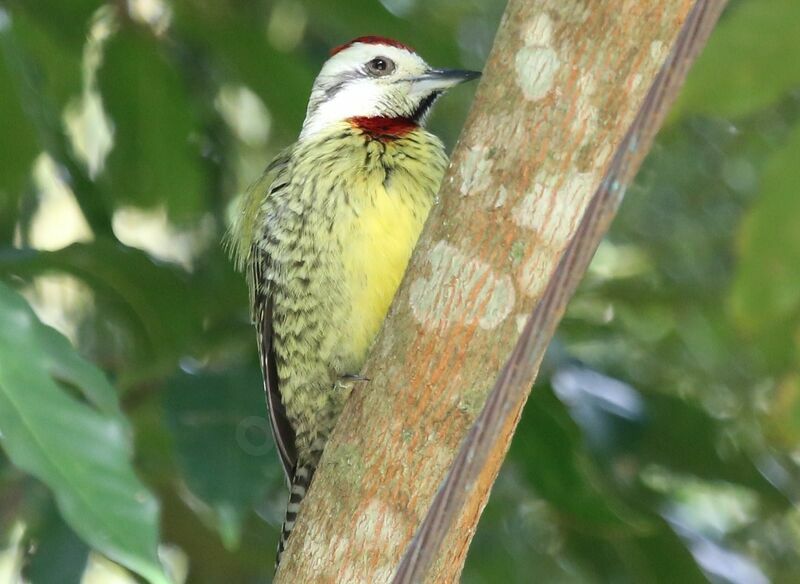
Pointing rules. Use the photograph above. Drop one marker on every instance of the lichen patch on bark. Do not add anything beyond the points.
(476, 171)
(461, 289)
(502, 196)
(537, 62)
(548, 209)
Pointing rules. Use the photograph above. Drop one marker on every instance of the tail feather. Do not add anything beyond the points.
(297, 492)
(301, 479)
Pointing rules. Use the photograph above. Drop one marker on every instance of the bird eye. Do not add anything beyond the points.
(380, 66)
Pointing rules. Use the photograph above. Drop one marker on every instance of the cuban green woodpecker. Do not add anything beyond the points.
(326, 233)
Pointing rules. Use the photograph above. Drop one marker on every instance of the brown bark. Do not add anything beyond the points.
(562, 87)
(438, 550)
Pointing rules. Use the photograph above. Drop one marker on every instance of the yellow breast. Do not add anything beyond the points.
(389, 202)
(380, 239)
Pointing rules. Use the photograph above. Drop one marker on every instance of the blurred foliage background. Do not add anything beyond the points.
(661, 444)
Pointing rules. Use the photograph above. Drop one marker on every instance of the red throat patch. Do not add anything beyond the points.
(384, 129)
(372, 40)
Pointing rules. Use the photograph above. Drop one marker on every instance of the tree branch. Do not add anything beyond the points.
(489, 438)
(562, 87)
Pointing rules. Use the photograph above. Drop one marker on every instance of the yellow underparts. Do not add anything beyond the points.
(338, 222)
(379, 232)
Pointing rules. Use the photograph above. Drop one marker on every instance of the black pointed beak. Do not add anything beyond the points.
(453, 76)
(437, 80)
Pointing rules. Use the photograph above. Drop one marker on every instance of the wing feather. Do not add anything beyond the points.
(242, 241)
(262, 311)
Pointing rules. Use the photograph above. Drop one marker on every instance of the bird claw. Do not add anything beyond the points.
(354, 377)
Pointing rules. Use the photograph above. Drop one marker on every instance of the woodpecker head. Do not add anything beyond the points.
(376, 77)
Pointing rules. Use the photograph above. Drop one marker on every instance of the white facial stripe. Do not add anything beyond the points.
(343, 90)
(359, 54)
(357, 98)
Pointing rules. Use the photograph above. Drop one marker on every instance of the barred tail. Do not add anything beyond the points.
(300, 481)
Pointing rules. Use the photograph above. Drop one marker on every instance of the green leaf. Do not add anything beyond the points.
(156, 156)
(236, 41)
(656, 556)
(48, 76)
(16, 162)
(154, 301)
(783, 417)
(66, 21)
(55, 66)
(749, 63)
(58, 554)
(82, 453)
(685, 440)
(765, 298)
(223, 443)
(549, 446)
(353, 18)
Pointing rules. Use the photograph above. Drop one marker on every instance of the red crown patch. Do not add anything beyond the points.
(372, 40)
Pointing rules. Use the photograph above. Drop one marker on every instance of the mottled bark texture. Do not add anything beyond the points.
(564, 84)
(437, 552)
